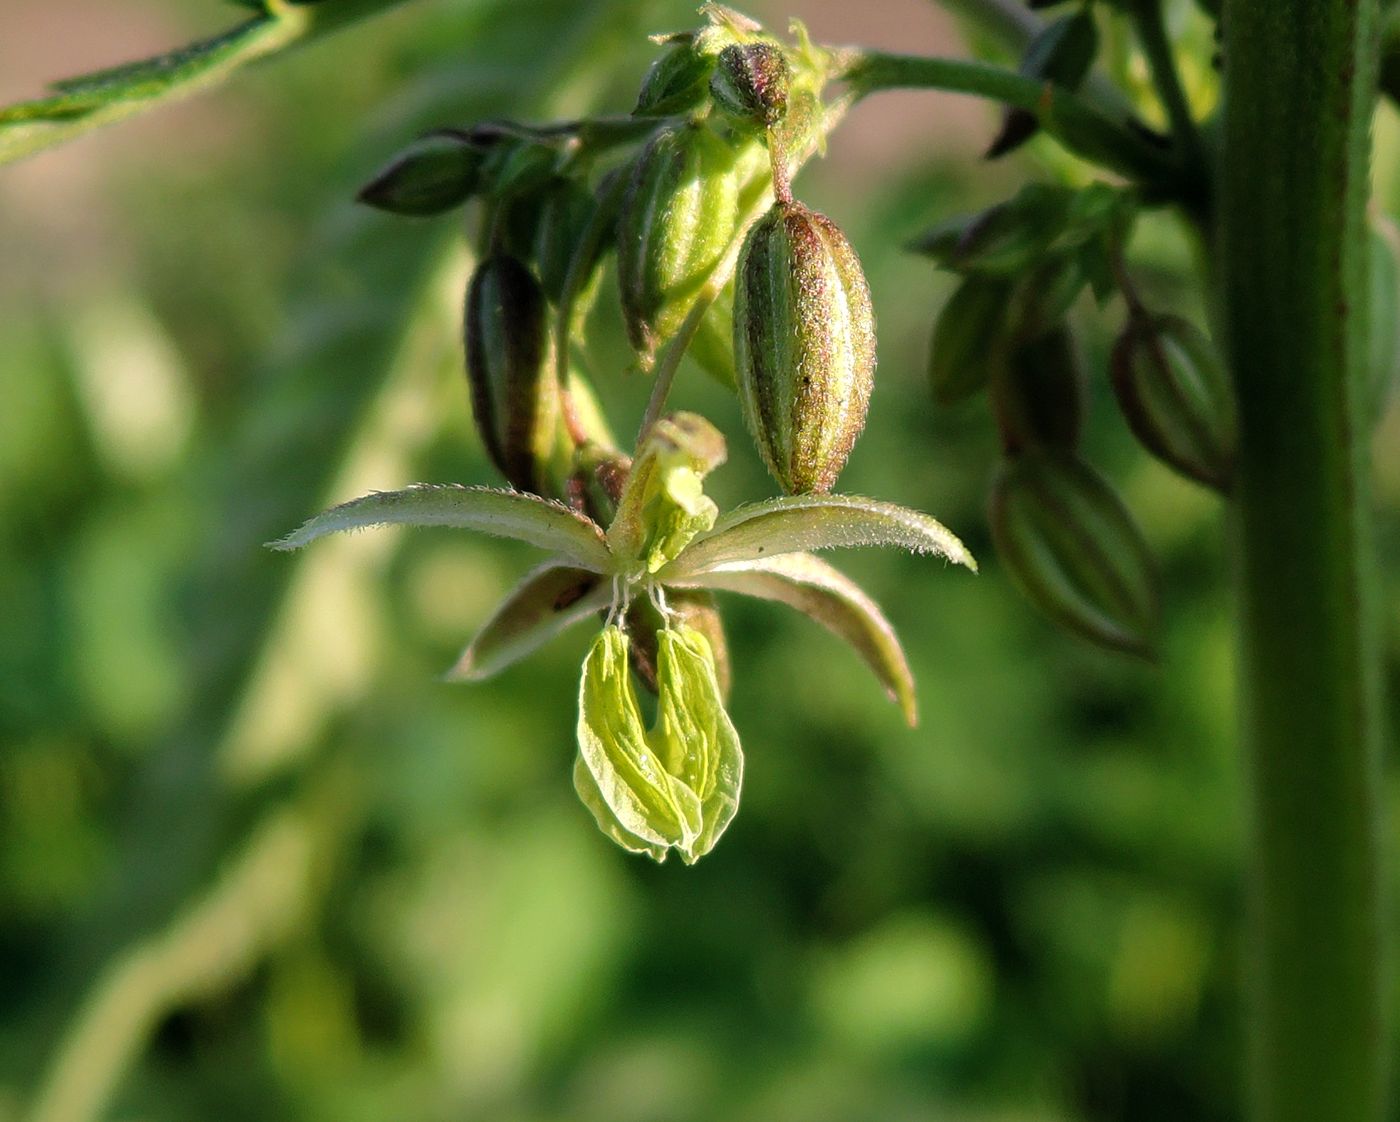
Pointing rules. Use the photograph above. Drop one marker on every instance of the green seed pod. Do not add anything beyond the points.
(804, 345)
(434, 174)
(1175, 395)
(676, 81)
(1038, 393)
(969, 338)
(510, 370)
(678, 218)
(1072, 548)
(750, 83)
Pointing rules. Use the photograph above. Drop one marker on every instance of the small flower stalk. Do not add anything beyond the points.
(713, 254)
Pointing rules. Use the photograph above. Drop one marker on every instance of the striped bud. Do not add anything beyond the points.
(750, 83)
(510, 370)
(1038, 393)
(678, 217)
(1072, 548)
(804, 345)
(1175, 395)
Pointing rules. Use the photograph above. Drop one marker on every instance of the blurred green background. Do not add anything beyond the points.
(258, 862)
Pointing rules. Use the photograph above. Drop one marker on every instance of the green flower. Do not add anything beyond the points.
(676, 785)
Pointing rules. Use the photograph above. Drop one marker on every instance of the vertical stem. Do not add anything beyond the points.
(1299, 80)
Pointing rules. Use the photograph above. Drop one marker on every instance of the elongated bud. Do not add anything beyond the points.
(676, 81)
(1072, 548)
(804, 345)
(510, 370)
(564, 215)
(1038, 394)
(678, 218)
(434, 174)
(969, 338)
(750, 83)
(1175, 395)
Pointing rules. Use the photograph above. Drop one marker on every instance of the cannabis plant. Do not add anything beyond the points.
(681, 217)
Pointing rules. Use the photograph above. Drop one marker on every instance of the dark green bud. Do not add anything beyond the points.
(678, 218)
(565, 211)
(804, 345)
(1070, 545)
(969, 338)
(510, 370)
(676, 82)
(434, 174)
(1038, 393)
(1175, 395)
(750, 83)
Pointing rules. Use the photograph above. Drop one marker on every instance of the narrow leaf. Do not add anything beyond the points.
(89, 101)
(798, 523)
(547, 602)
(504, 514)
(832, 599)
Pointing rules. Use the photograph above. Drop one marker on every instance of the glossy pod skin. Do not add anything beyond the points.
(804, 345)
(510, 372)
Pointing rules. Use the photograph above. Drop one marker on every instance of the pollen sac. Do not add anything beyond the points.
(510, 370)
(750, 83)
(694, 608)
(804, 345)
(678, 218)
(1175, 395)
(675, 786)
(1070, 545)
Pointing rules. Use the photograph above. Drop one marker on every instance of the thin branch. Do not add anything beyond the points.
(1081, 127)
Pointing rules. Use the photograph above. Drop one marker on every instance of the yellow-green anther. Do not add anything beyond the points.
(804, 345)
(678, 218)
(633, 784)
(510, 370)
(676, 786)
(664, 504)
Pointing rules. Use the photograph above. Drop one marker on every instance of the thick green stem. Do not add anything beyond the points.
(1299, 79)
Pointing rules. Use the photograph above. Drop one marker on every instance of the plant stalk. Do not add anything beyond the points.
(1300, 85)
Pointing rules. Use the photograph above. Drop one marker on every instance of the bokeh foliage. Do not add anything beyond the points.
(299, 877)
